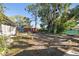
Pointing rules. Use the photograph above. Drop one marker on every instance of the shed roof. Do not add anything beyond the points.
(5, 20)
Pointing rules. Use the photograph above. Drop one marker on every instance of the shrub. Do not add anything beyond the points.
(3, 46)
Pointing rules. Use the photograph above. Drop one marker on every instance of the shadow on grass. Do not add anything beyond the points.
(21, 44)
(41, 52)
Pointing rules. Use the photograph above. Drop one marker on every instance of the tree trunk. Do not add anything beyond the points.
(55, 28)
(35, 21)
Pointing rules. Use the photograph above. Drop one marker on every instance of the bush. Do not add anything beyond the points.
(2, 41)
(3, 46)
(70, 24)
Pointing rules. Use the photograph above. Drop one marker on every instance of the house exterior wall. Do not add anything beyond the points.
(0, 30)
(8, 30)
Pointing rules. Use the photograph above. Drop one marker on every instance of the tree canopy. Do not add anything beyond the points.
(55, 17)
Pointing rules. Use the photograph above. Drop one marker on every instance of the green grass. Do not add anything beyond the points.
(1, 50)
(2, 44)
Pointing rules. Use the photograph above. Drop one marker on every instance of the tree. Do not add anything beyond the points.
(72, 18)
(21, 20)
(52, 15)
(44, 14)
(33, 9)
(2, 8)
(74, 12)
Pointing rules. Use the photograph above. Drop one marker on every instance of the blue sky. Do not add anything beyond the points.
(18, 9)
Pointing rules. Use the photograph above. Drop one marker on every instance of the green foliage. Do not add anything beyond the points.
(21, 20)
(2, 43)
(55, 17)
(75, 12)
(1, 49)
(52, 16)
(2, 8)
(70, 24)
(2, 17)
(33, 9)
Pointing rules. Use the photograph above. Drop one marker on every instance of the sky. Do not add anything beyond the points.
(18, 9)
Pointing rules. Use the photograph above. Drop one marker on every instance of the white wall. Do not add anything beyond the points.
(0, 30)
(8, 30)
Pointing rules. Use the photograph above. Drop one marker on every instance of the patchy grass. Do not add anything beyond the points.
(1, 49)
(12, 51)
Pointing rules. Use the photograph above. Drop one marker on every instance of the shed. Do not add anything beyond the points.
(7, 27)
